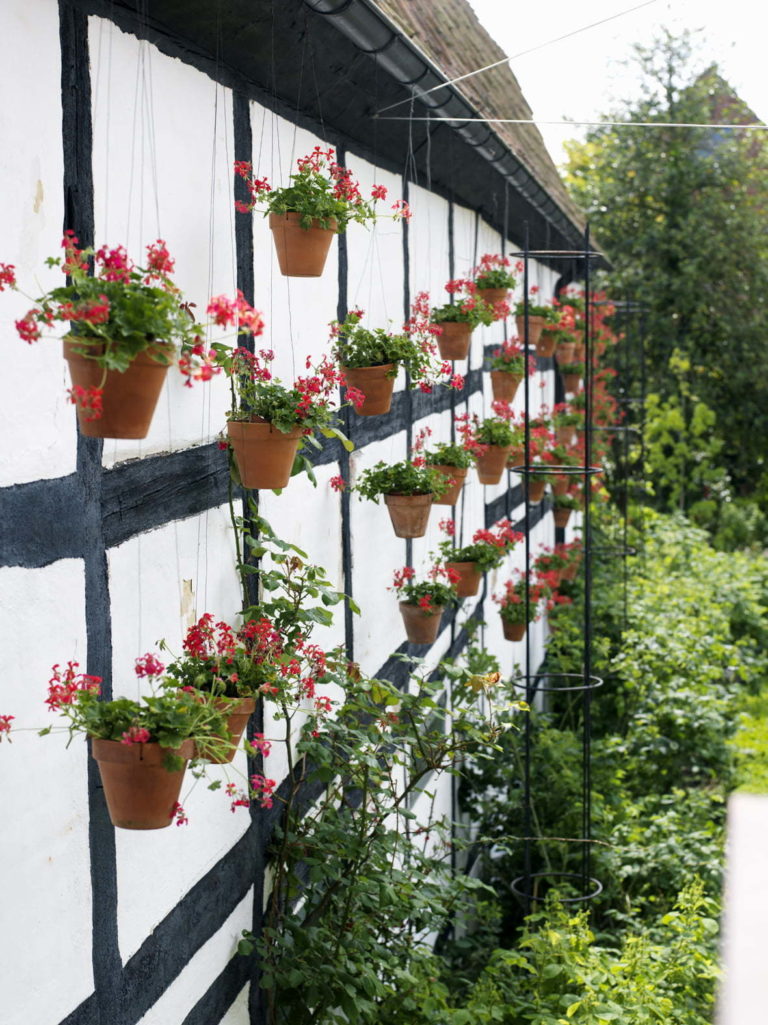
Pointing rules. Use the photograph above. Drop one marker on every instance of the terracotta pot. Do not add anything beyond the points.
(409, 514)
(505, 385)
(564, 436)
(569, 573)
(564, 353)
(493, 295)
(513, 631)
(470, 576)
(490, 465)
(237, 719)
(535, 326)
(128, 399)
(571, 382)
(579, 352)
(140, 791)
(456, 473)
(536, 490)
(376, 384)
(420, 627)
(264, 455)
(561, 514)
(301, 252)
(560, 485)
(546, 344)
(454, 341)
(516, 456)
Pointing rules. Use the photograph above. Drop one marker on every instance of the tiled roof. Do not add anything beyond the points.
(450, 35)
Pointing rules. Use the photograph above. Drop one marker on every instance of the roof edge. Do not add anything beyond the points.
(373, 32)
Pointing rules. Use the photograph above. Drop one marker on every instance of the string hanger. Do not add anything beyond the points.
(570, 122)
(522, 53)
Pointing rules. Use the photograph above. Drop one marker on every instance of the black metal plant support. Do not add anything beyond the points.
(585, 682)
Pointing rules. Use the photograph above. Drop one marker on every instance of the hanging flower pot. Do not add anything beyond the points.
(409, 514)
(301, 252)
(564, 435)
(516, 456)
(140, 792)
(561, 514)
(128, 399)
(546, 344)
(564, 353)
(420, 627)
(454, 341)
(570, 571)
(579, 352)
(493, 295)
(560, 485)
(469, 580)
(571, 382)
(376, 383)
(237, 714)
(535, 326)
(513, 631)
(536, 490)
(458, 474)
(490, 465)
(504, 385)
(264, 455)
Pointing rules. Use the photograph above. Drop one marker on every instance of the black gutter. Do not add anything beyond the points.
(372, 32)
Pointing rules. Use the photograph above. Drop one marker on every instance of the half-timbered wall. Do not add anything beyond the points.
(107, 547)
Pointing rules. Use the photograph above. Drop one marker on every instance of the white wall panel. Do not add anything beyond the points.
(428, 245)
(146, 576)
(43, 802)
(375, 255)
(32, 202)
(159, 173)
(179, 999)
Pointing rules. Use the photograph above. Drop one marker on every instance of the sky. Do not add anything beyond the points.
(578, 78)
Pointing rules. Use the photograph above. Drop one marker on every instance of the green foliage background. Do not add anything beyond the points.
(680, 213)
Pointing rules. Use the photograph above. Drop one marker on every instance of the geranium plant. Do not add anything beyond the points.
(497, 430)
(564, 415)
(572, 369)
(447, 453)
(431, 595)
(512, 601)
(404, 478)
(536, 308)
(355, 346)
(121, 311)
(509, 357)
(487, 549)
(493, 272)
(320, 190)
(310, 404)
(167, 717)
(225, 662)
(468, 308)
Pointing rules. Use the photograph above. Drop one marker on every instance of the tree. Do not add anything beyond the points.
(680, 213)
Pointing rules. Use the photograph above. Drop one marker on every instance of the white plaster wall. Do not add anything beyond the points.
(191, 984)
(43, 802)
(146, 575)
(375, 255)
(162, 168)
(160, 174)
(31, 173)
(428, 245)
